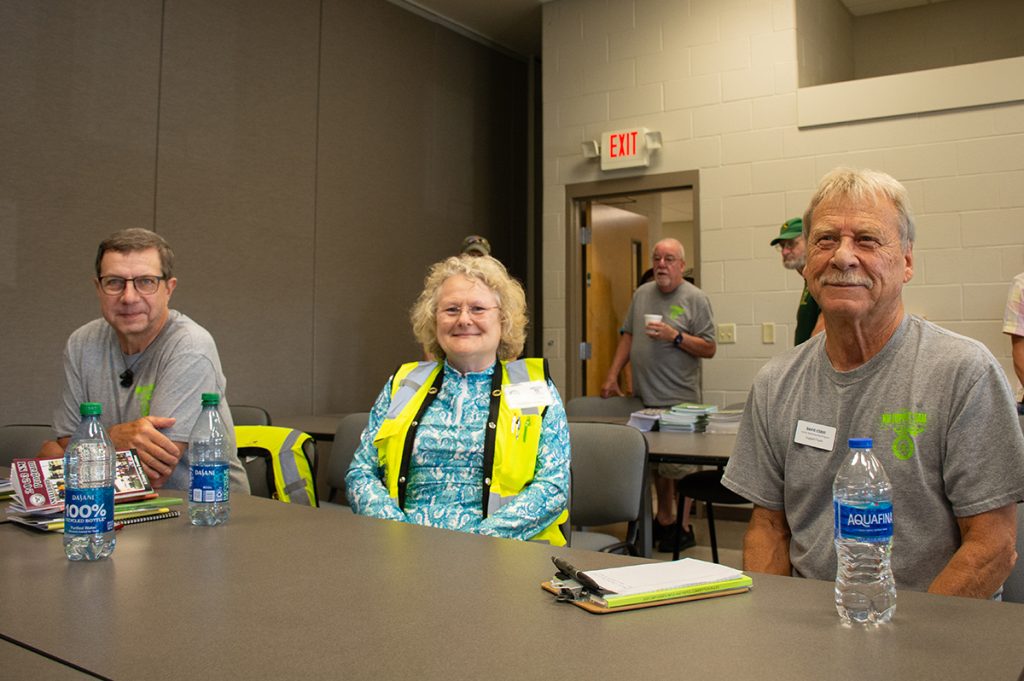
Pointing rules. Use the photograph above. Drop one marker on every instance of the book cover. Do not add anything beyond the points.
(38, 484)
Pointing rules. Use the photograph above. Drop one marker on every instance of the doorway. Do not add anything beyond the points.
(613, 226)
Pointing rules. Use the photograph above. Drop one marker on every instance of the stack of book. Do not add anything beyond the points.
(687, 417)
(724, 421)
(645, 419)
(38, 493)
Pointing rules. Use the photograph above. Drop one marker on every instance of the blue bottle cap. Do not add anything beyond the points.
(859, 443)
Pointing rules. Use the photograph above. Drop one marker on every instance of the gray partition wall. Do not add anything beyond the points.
(307, 160)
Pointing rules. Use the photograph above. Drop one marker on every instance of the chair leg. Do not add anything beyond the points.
(677, 527)
(711, 533)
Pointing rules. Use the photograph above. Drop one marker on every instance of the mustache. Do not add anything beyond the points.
(845, 278)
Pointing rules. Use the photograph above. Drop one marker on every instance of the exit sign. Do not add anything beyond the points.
(628, 148)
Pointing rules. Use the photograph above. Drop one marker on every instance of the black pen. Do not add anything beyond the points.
(572, 573)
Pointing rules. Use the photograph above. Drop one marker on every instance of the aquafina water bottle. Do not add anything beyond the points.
(208, 494)
(862, 501)
(89, 467)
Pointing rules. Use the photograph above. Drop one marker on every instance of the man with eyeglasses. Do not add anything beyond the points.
(790, 242)
(665, 356)
(147, 364)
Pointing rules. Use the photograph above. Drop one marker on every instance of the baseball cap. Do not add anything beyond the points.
(474, 244)
(790, 229)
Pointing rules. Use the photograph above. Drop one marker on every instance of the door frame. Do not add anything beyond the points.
(577, 195)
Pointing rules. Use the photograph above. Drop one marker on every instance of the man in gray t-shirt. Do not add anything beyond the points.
(146, 364)
(666, 356)
(936, 404)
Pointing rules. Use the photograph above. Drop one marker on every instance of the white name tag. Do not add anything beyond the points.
(529, 394)
(815, 435)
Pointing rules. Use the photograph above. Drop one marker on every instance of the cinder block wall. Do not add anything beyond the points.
(719, 78)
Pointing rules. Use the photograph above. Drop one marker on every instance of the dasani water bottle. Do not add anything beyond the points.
(89, 467)
(208, 494)
(862, 501)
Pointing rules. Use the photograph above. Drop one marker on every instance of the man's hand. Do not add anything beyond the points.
(158, 453)
(611, 388)
(661, 331)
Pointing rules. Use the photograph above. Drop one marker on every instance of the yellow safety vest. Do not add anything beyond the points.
(510, 444)
(293, 474)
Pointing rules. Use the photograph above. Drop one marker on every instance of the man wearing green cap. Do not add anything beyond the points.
(790, 242)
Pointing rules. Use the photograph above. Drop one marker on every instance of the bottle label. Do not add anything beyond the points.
(863, 522)
(208, 483)
(89, 510)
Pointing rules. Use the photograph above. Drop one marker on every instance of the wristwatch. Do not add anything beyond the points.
(678, 340)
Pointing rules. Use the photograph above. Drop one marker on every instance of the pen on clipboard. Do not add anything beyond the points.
(571, 572)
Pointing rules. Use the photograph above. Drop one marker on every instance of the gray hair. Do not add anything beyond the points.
(863, 185)
(136, 239)
(492, 274)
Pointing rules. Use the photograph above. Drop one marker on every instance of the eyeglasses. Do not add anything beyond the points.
(787, 245)
(146, 285)
(667, 259)
(455, 311)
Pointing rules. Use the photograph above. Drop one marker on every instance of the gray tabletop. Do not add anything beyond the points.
(286, 591)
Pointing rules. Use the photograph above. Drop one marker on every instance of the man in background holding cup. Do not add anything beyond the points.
(678, 331)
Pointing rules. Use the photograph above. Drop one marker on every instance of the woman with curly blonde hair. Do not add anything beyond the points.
(474, 440)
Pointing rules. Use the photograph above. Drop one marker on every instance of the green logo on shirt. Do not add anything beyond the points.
(906, 425)
(676, 311)
(145, 395)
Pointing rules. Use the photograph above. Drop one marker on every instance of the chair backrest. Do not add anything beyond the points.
(599, 406)
(346, 442)
(22, 441)
(1013, 589)
(608, 473)
(247, 415)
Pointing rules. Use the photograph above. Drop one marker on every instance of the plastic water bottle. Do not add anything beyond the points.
(89, 467)
(208, 494)
(862, 501)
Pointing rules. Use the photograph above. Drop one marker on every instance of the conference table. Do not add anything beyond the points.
(286, 591)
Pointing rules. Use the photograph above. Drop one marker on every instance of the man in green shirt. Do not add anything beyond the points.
(790, 242)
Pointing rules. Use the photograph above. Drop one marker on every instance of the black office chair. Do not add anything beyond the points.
(704, 486)
(22, 441)
(609, 485)
(346, 442)
(248, 415)
(581, 407)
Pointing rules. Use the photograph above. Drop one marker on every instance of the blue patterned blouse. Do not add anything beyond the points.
(446, 469)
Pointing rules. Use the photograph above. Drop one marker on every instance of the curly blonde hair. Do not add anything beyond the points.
(492, 274)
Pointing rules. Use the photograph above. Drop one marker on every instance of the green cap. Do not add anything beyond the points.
(790, 229)
(90, 409)
(211, 399)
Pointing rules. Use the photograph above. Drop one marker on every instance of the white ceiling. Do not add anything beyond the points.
(516, 24)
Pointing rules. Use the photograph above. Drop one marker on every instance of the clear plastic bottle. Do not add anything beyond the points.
(209, 502)
(89, 468)
(862, 502)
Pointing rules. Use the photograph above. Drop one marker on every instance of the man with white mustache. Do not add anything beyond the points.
(937, 405)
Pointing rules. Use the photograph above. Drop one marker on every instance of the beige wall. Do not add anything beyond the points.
(306, 160)
(718, 78)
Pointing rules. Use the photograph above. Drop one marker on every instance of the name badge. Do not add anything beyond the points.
(815, 435)
(529, 394)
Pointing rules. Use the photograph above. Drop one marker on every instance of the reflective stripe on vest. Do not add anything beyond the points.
(293, 476)
(516, 441)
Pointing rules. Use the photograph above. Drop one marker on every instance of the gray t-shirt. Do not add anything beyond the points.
(663, 374)
(170, 377)
(939, 409)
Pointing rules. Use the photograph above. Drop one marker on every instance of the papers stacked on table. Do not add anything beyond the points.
(725, 421)
(687, 417)
(652, 582)
(645, 419)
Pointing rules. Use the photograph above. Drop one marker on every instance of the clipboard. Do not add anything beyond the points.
(599, 609)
